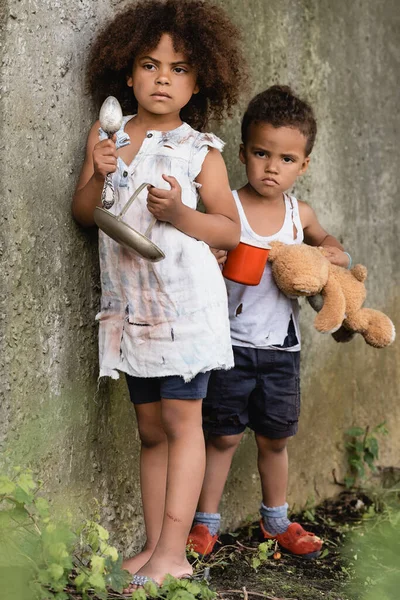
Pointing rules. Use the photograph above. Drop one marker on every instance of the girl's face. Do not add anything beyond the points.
(162, 79)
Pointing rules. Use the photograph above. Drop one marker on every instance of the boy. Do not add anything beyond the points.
(262, 391)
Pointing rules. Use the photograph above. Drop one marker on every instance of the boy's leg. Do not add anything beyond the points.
(273, 415)
(153, 471)
(207, 520)
(225, 417)
(219, 454)
(273, 469)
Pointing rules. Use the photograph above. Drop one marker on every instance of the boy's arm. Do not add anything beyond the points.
(219, 227)
(315, 235)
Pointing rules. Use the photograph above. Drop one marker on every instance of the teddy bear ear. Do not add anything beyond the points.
(276, 247)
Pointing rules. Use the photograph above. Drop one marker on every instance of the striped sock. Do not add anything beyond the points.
(212, 520)
(275, 518)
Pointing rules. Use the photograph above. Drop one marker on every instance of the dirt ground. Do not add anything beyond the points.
(286, 577)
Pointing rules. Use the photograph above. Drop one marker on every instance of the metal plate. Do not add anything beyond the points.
(127, 236)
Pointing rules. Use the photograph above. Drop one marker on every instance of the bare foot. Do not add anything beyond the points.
(135, 563)
(157, 568)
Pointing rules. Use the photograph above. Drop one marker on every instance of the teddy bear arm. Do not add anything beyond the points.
(376, 328)
(331, 315)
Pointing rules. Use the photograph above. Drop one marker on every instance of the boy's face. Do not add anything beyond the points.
(274, 158)
(162, 79)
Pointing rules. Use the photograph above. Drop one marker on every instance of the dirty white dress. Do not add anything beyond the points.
(169, 317)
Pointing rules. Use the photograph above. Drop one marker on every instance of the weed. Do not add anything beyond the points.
(362, 451)
(42, 558)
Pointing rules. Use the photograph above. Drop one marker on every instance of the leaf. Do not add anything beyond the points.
(42, 506)
(80, 580)
(381, 428)
(6, 485)
(112, 552)
(369, 459)
(26, 482)
(55, 571)
(355, 431)
(265, 546)
(103, 533)
(373, 446)
(139, 594)
(97, 564)
(22, 496)
(93, 540)
(97, 581)
(151, 589)
(325, 552)
(116, 578)
(349, 482)
(181, 594)
(255, 563)
(193, 588)
(58, 550)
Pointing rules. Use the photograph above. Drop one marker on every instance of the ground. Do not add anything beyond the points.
(343, 523)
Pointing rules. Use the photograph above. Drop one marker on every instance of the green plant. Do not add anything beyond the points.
(43, 558)
(263, 552)
(373, 551)
(175, 589)
(362, 451)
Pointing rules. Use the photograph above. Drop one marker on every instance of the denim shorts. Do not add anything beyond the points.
(143, 390)
(262, 392)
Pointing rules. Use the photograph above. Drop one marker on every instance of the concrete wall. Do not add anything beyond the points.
(81, 437)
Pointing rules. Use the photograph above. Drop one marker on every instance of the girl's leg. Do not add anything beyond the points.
(219, 450)
(153, 477)
(182, 422)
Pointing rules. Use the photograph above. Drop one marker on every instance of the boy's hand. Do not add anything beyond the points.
(335, 256)
(220, 255)
(166, 205)
(105, 158)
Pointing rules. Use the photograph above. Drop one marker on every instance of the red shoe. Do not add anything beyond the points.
(201, 540)
(296, 540)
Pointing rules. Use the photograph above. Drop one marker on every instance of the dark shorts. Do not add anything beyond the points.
(262, 392)
(143, 390)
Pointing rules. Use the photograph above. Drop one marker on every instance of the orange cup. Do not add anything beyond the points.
(245, 264)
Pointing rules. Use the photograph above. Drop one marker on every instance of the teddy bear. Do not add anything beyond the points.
(336, 293)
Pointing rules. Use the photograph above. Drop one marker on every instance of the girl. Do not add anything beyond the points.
(173, 64)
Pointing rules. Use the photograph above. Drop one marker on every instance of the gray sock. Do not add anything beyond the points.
(212, 520)
(275, 518)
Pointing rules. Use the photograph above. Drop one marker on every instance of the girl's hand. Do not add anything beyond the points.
(335, 256)
(166, 205)
(105, 158)
(220, 255)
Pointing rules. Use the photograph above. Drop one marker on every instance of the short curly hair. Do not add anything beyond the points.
(279, 107)
(198, 28)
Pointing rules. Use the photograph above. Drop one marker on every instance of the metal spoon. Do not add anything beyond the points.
(110, 121)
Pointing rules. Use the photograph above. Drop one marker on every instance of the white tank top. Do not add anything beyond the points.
(260, 315)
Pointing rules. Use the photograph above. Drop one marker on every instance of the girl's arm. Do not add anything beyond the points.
(315, 235)
(220, 226)
(100, 159)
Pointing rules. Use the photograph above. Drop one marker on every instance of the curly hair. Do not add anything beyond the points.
(279, 107)
(198, 28)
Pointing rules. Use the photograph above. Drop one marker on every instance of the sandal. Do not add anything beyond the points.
(296, 540)
(140, 580)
